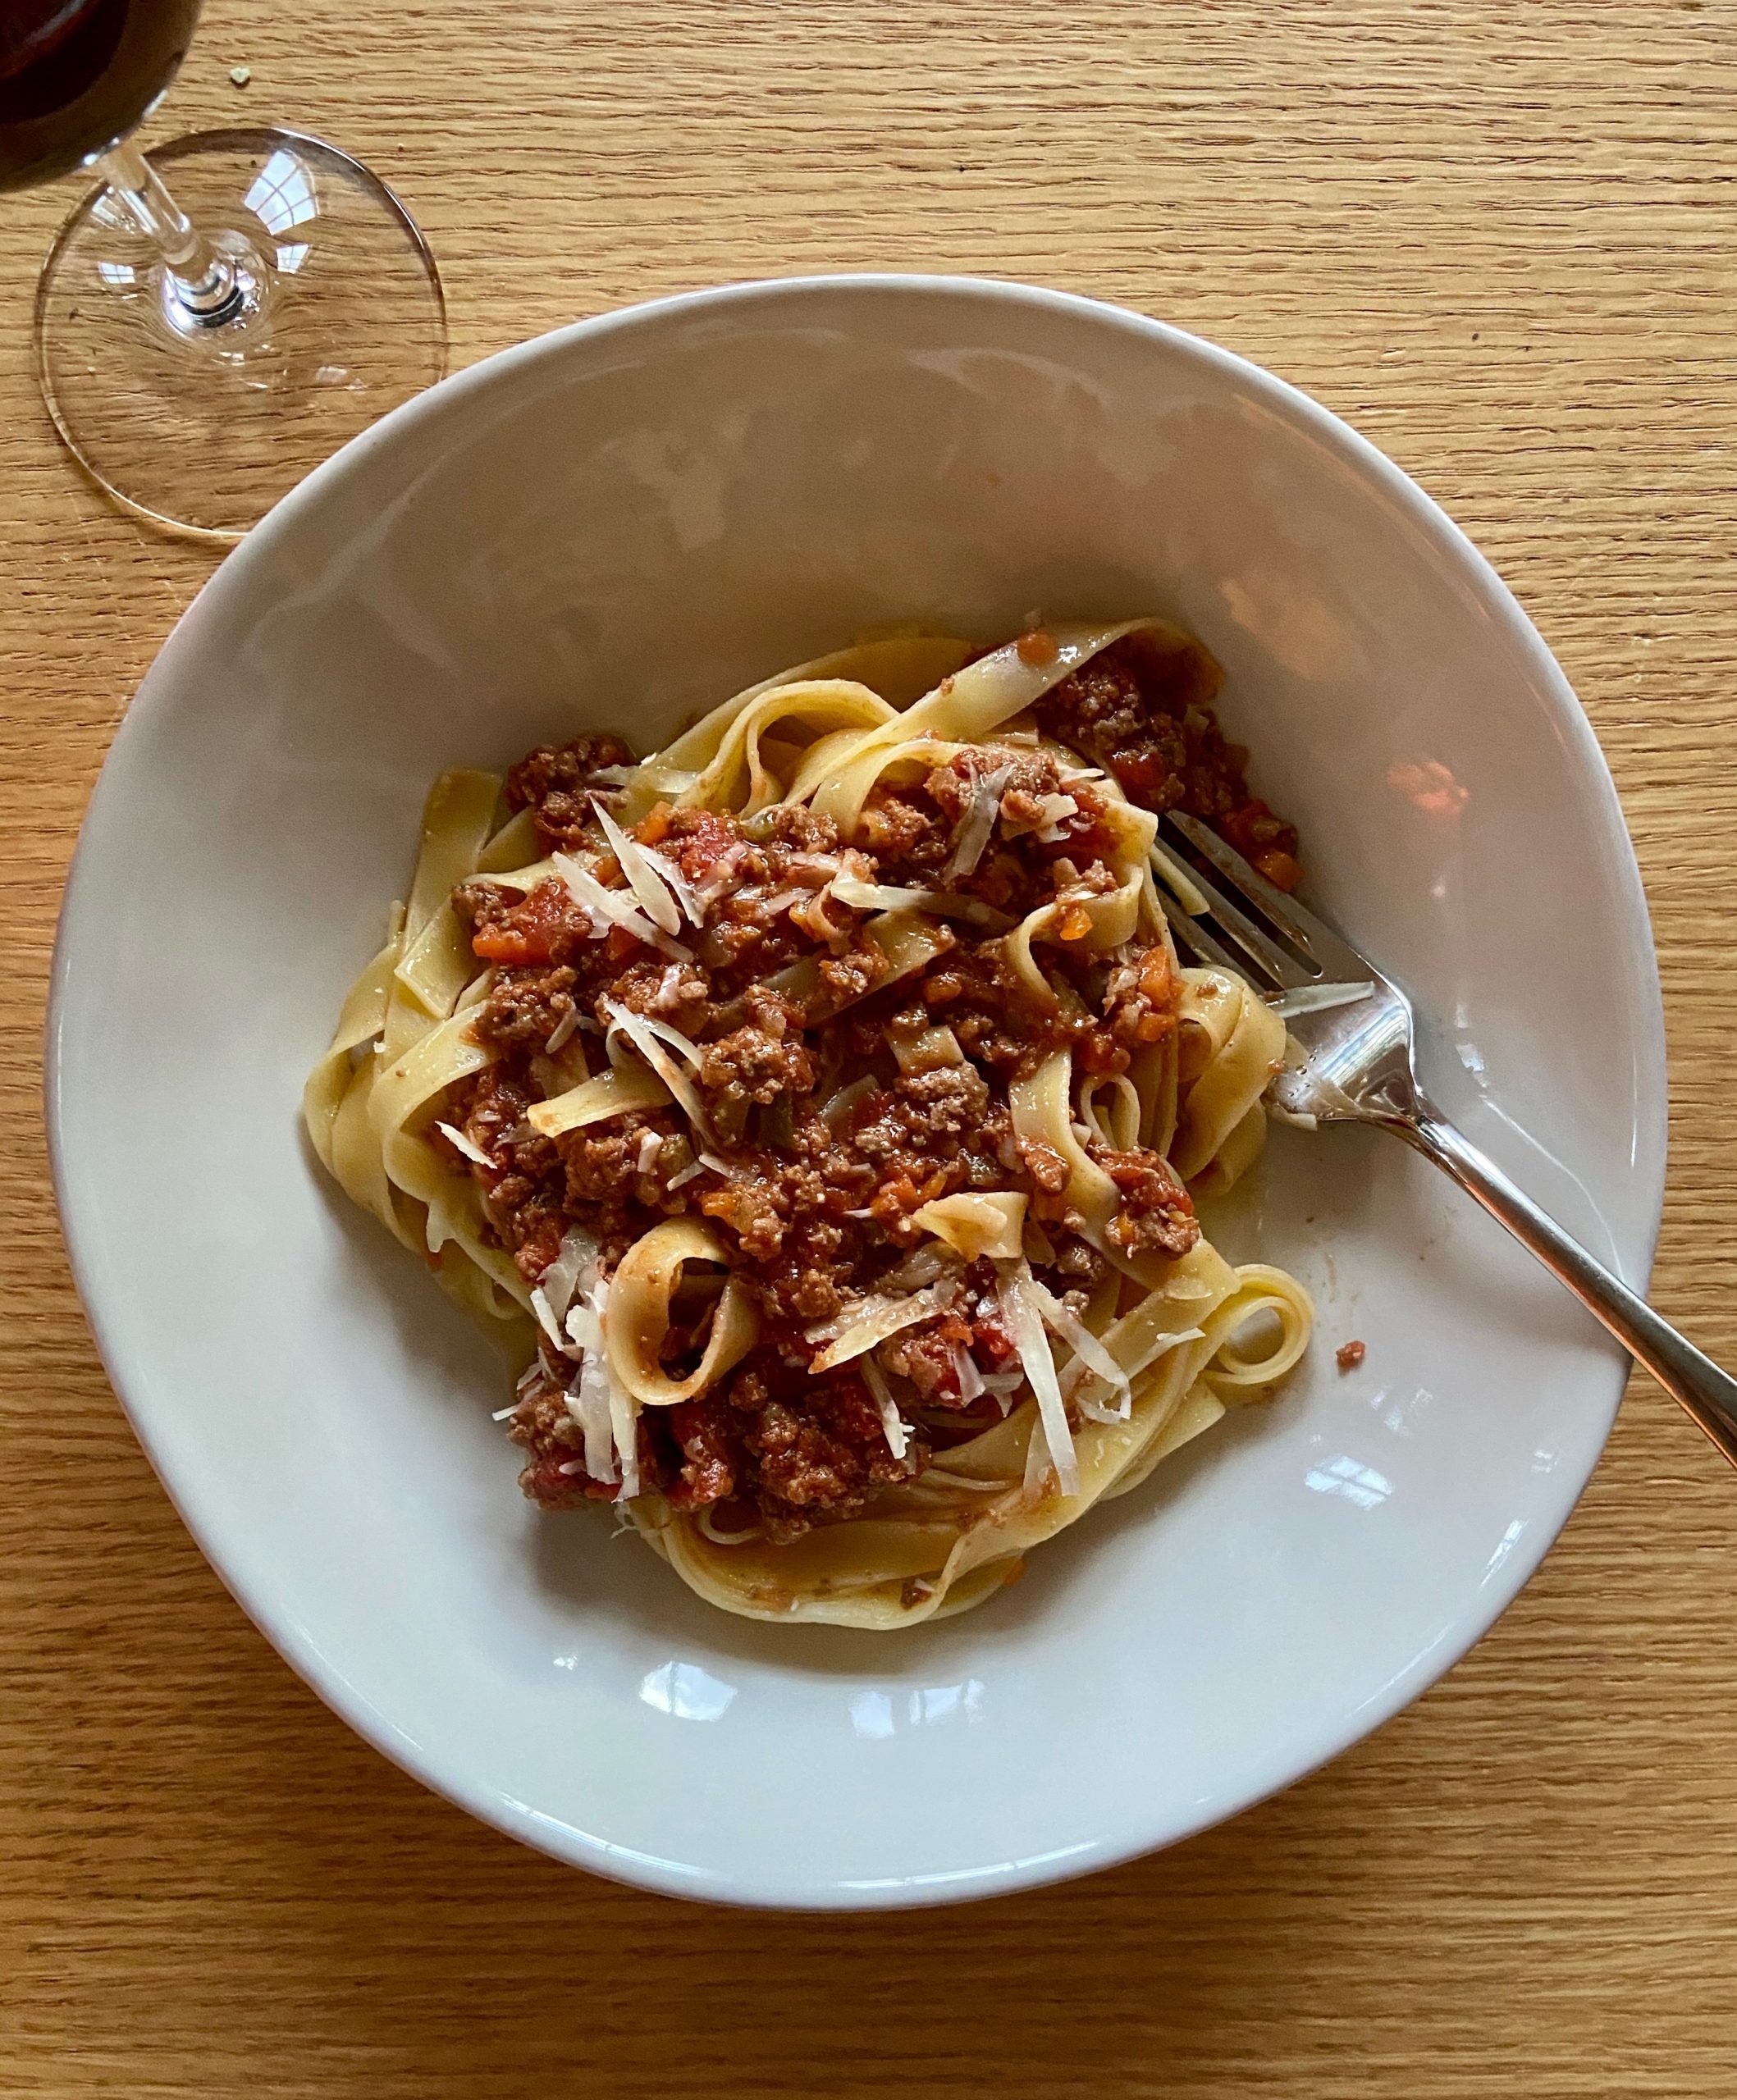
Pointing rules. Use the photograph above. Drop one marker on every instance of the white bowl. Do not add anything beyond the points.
(621, 523)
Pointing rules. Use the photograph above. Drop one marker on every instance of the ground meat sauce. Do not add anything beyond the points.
(832, 1127)
(1142, 709)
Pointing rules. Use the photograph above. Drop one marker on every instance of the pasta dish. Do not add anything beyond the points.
(817, 1108)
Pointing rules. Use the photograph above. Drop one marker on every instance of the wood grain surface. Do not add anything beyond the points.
(1501, 239)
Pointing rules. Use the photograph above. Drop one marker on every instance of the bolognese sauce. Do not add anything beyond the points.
(842, 1095)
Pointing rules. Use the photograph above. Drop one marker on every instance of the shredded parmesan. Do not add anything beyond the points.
(648, 1037)
(1051, 810)
(1317, 998)
(653, 877)
(897, 1433)
(871, 1320)
(587, 1402)
(720, 877)
(972, 1386)
(686, 895)
(593, 1399)
(459, 1142)
(898, 896)
(505, 1414)
(546, 1320)
(650, 1145)
(625, 1428)
(1015, 1291)
(616, 907)
(564, 1029)
(644, 880)
(873, 897)
(558, 1281)
(977, 824)
(923, 1265)
(1090, 1353)
(693, 1169)
(781, 900)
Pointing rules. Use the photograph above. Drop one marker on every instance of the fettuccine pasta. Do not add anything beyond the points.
(816, 1108)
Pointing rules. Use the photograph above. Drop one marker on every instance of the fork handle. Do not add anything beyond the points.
(1695, 1381)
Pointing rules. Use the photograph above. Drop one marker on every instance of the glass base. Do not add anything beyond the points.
(198, 424)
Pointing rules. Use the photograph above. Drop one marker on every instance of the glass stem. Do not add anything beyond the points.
(203, 281)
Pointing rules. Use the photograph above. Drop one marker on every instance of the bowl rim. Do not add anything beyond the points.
(1601, 808)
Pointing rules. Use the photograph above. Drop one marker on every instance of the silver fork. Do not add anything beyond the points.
(1357, 1067)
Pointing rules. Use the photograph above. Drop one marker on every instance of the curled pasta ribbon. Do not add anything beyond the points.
(1109, 1106)
(402, 1043)
(825, 705)
(1087, 922)
(1042, 1106)
(1260, 1289)
(1230, 1044)
(964, 708)
(642, 1292)
(897, 670)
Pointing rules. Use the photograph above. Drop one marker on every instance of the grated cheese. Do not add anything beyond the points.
(592, 1398)
(898, 896)
(1051, 810)
(1090, 1353)
(897, 1434)
(977, 824)
(1319, 998)
(654, 894)
(1014, 1289)
(615, 908)
(564, 1029)
(558, 1281)
(871, 1321)
(546, 1320)
(648, 1037)
(460, 1143)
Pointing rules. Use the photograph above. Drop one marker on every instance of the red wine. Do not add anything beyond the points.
(76, 76)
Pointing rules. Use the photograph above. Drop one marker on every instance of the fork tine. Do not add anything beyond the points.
(1284, 970)
(1332, 956)
(1191, 934)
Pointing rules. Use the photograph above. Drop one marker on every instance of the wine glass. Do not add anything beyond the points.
(200, 347)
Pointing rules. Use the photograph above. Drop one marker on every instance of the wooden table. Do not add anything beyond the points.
(1501, 239)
